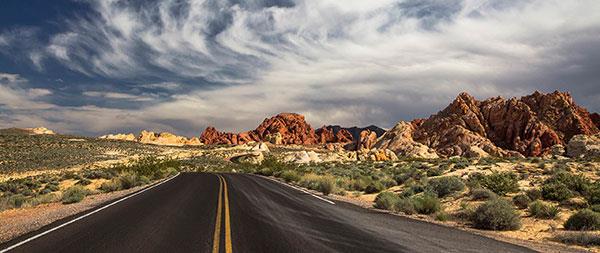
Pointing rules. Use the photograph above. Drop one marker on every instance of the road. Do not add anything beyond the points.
(199, 212)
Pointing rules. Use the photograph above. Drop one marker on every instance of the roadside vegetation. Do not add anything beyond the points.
(73, 187)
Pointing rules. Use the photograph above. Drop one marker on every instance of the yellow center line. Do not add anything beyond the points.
(228, 247)
(217, 235)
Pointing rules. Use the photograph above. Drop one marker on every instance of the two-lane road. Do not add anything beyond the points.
(197, 212)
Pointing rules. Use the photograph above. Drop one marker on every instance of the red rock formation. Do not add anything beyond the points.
(328, 134)
(292, 127)
(529, 125)
(596, 119)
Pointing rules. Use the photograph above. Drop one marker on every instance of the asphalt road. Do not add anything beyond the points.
(197, 212)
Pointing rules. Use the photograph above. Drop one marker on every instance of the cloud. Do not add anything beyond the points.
(353, 62)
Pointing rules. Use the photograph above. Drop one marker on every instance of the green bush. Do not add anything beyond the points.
(442, 216)
(290, 176)
(556, 192)
(266, 172)
(374, 187)
(16, 201)
(541, 210)
(482, 194)
(522, 201)
(595, 208)
(74, 194)
(405, 206)
(496, 214)
(388, 182)
(534, 194)
(574, 182)
(585, 239)
(444, 186)
(501, 183)
(326, 185)
(583, 220)
(426, 204)
(386, 200)
(129, 180)
(593, 196)
(84, 181)
(111, 186)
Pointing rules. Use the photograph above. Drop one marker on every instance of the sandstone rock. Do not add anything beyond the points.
(39, 130)
(355, 131)
(399, 140)
(530, 125)
(275, 138)
(476, 152)
(302, 157)
(365, 141)
(260, 147)
(596, 119)
(165, 138)
(120, 137)
(251, 158)
(329, 134)
(557, 150)
(292, 127)
(584, 146)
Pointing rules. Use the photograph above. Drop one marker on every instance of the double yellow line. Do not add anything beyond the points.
(217, 234)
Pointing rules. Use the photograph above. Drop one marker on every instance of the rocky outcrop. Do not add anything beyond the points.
(399, 140)
(292, 127)
(329, 134)
(119, 137)
(584, 146)
(365, 141)
(596, 119)
(166, 139)
(530, 125)
(355, 131)
(39, 130)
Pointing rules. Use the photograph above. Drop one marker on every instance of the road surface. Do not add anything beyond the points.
(199, 212)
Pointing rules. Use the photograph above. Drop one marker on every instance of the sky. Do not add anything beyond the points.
(107, 66)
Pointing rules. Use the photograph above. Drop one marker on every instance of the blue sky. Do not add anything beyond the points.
(94, 67)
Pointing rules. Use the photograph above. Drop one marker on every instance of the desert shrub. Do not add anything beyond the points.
(574, 182)
(386, 200)
(16, 201)
(534, 194)
(290, 176)
(310, 181)
(74, 194)
(98, 174)
(405, 206)
(84, 181)
(111, 186)
(442, 216)
(326, 185)
(426, 204)
(374, 187)
(501, 183)
(496, 214)
(266, 172)
(595, 208)
(361, 183)
(579, 238)
(482, 194)
(51, 187)
(444, 186)
(129, 180)
(541, 210)
(522, 201)
(556, 192)
(583, 220)
(388, 182)
(593, 196)
(436, 171)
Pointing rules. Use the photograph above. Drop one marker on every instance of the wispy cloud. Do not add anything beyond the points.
(351, 62)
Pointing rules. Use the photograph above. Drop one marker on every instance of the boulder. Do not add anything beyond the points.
(302, 157)
(260, 147)
(399, 140)
(120, 137)
(584, 146)
(251, 158)
(329, 134)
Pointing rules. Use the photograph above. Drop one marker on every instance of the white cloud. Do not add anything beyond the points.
(348, 62)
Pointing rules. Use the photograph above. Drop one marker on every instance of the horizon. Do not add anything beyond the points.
(98, 67)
